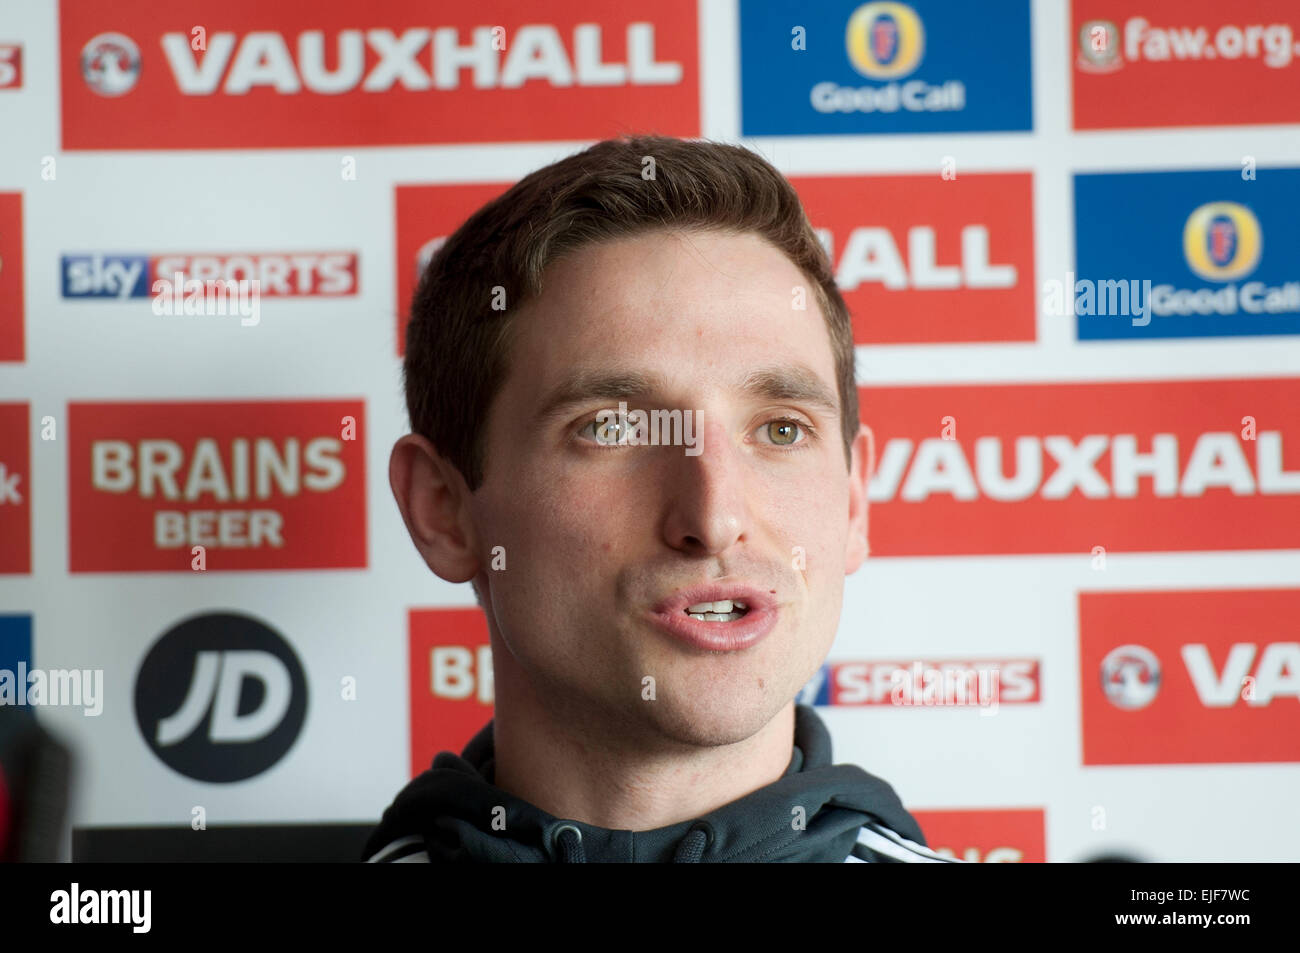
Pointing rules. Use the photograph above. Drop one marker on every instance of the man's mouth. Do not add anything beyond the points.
(724, 610)
(718, 616)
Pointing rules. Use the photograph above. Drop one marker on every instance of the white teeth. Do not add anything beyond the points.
(724, 610)
(716, 616)
(722, 605)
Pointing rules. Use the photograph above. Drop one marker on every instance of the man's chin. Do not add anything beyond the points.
(709, 722)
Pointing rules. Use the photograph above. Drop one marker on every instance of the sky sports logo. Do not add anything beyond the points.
(1208, 254)
(119, 277)
(884, 66)
(405, 73)
(925, 683)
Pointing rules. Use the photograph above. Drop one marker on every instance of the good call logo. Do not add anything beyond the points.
(885, 40)
(1222, 241)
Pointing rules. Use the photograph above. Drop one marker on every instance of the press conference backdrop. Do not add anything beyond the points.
(1068, 235)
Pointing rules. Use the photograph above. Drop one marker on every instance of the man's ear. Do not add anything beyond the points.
(863, 465)
(434, 500)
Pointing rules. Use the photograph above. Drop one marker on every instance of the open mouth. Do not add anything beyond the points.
(724, 610)
(726, 616)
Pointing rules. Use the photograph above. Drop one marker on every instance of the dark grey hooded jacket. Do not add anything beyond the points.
(446, 815)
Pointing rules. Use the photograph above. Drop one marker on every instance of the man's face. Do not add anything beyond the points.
(599, 537)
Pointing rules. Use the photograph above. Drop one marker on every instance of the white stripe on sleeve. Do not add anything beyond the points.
(911, 844)
(398, 845)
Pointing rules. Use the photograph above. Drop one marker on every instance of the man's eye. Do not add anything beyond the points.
(605, 432)
(786, 432)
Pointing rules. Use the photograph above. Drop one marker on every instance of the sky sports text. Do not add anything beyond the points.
(283, 274)
(130, 907)
(930, 683)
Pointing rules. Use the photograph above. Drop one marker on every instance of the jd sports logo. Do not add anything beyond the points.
(220, 697)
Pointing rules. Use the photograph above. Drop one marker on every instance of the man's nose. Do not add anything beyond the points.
(705, 493)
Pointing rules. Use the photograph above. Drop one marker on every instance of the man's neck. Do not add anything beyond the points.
(571, 768)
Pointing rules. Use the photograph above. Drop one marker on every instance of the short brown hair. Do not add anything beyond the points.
(457, 344)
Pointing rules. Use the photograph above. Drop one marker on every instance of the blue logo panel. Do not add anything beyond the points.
(850, 68)
(105, 276)
(15, 648)
(1187, 254)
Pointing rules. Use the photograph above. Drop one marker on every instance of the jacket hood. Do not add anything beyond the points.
(455, 808)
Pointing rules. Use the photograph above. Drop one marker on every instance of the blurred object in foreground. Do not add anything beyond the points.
(35, 771)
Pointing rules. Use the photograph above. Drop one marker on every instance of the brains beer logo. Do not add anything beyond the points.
(885, 40)
(1222, 241)
(237, 485)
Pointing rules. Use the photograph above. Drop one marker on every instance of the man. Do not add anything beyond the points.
(631, 384)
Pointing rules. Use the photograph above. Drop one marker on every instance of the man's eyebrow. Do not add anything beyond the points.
(792, 382)
(775, 382)
(583, 386)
